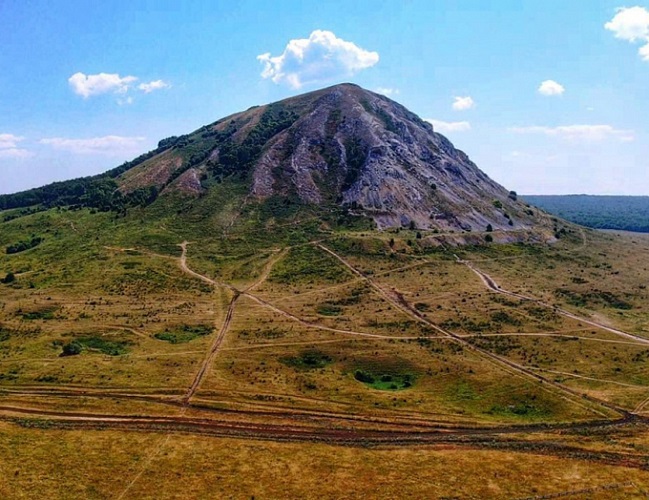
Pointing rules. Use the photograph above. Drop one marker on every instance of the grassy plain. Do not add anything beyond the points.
(345, 362)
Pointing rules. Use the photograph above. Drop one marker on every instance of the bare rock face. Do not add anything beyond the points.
(372, 154)
(347, 146)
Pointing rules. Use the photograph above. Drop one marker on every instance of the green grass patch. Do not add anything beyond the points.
(385, 373)
(594, 297)
(5, 334)
(184, 333)
(43, 314)
(385, 381)
(108, 347)
(329, 309)
(308, 264)
(308, 360)
(526, 407)
(463, 391)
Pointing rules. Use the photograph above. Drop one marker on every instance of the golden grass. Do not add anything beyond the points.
(39, 463)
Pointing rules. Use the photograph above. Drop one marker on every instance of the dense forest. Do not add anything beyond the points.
(629, 213)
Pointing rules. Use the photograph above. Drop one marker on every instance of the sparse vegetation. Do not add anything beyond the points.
(184, 333)
(308, 360)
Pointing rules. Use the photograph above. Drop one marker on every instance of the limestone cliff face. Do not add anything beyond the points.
(374, 155)
(352, 147)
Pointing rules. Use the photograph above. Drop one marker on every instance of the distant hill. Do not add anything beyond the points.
(628, 213)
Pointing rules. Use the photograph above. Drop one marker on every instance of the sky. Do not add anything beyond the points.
(545, 97)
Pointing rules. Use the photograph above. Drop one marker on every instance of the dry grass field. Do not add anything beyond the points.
(319, 364)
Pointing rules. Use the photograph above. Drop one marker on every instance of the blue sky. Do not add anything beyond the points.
(546, 97)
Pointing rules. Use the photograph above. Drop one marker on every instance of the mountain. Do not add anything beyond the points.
(342, 146)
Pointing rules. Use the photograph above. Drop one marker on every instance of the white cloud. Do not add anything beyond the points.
(632, 24)
(644, 52)
(321, 57)
(9, 147)
(9, 140)
(387, 91)
(111, 145)
(154, 85)
(463, 103)
(102, 83)
(579, 132)
(550, 87)
(446, 127)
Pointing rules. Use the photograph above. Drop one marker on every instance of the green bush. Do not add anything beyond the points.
(72, 349)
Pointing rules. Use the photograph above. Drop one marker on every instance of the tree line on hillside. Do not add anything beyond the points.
(628, 213)
(97, 191)
(102, 192)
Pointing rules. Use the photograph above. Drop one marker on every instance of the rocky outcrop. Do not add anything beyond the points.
(364, 150)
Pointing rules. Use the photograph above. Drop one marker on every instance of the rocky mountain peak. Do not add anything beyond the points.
(340, 145)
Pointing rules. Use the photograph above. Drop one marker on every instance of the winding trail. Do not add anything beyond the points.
(491, 284)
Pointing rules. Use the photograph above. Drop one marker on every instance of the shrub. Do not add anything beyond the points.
(364, 377)
(9, 278)
(72, 349)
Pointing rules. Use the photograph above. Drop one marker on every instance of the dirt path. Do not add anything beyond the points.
(139, 251)
(309, 324)
(207, 362)
(584, 377)
(186, 269)
(567, 393)
(131, 330)
(490, 283)
(549, 334)
(504, 437)
(641, 406)
(267, 269)
(397, 300)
